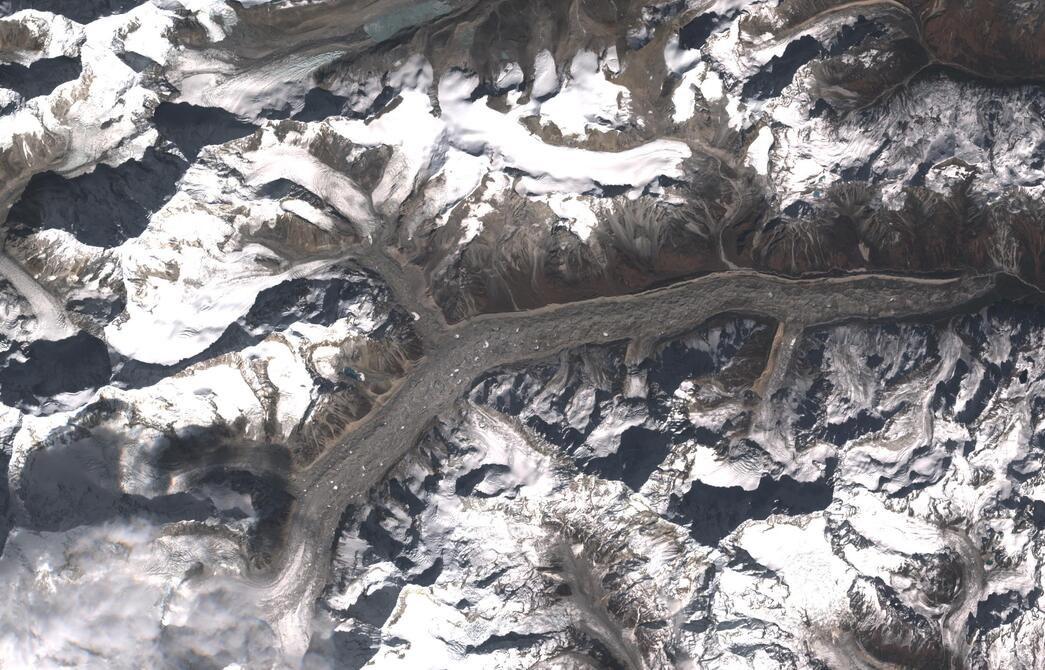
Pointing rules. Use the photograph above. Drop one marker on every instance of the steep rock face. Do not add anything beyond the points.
(235, 231)
(795, 158)
(579, 606)
(607, 150)
(169, 485)
(123, 197)
(40, 77)
(877, 508)
(110, 205)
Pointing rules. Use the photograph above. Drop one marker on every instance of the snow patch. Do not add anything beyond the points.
(758, 152)
(587, 100)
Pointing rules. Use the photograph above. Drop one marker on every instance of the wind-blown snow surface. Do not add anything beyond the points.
(195, 194)
(119, 591)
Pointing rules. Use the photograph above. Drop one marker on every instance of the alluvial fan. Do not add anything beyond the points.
(522, 334)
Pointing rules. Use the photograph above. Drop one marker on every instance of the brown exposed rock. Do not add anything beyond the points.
(998, 39)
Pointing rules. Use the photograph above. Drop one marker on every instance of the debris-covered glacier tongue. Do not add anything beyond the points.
(528, 334)
(878, 510)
